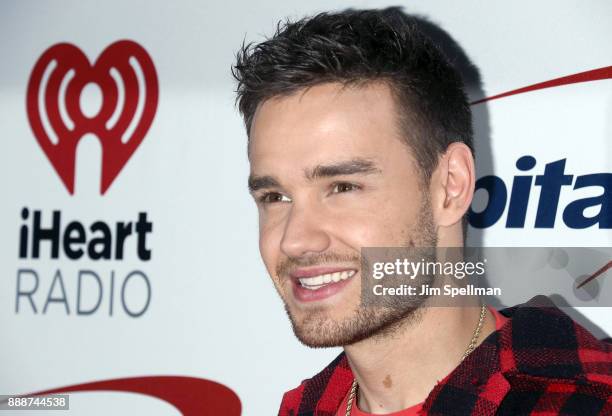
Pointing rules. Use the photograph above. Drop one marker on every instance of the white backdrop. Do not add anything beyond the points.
(212, 311)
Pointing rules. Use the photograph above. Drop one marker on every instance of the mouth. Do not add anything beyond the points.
(321, 280)
(320, 283)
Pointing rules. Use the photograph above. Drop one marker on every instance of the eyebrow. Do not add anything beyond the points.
(262, 182)
(349, 167)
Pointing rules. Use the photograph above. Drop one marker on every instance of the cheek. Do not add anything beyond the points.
(269, 246)
(359, 231)
(384, 226)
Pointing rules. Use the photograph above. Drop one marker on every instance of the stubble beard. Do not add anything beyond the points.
(318, 330)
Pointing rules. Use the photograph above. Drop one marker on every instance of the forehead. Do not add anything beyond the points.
(323, 122)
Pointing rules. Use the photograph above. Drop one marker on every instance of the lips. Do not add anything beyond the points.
(320, 283)
(316, 282)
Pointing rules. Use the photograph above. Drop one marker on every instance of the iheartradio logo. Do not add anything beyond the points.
(126, 80)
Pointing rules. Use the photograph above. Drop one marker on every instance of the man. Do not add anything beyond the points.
(360, 136)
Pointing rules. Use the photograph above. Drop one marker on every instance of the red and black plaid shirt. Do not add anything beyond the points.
(540, 362)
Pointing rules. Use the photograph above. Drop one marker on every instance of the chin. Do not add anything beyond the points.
(313, 339)
(317, 329)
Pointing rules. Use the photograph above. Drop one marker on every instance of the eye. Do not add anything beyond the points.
(344, 187)
(273, 197)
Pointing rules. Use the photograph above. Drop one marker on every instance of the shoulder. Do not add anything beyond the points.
(539, 332)
(541, 340)
(552, 363)
(322, 392)
(539, 362)
(291, 400)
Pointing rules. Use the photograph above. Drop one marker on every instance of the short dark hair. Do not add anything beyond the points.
(357, 46)
(360, 46)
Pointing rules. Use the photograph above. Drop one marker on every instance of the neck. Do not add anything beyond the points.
(400, 368)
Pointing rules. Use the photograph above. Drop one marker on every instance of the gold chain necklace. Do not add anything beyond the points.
(468, 351)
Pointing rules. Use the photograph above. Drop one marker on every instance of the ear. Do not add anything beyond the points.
(452, 185)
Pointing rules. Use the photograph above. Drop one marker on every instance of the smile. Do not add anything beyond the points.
(319, 281)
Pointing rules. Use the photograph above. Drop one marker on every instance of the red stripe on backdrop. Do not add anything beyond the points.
(602, 270)
(592, 75)
(191, 396)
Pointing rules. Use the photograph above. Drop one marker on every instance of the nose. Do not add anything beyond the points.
(304, 233)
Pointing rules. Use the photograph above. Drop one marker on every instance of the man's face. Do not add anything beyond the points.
(331, 174)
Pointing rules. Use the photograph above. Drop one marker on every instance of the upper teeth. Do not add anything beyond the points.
(316, 282)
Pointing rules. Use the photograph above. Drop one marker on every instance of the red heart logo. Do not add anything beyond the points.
(125, 75)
